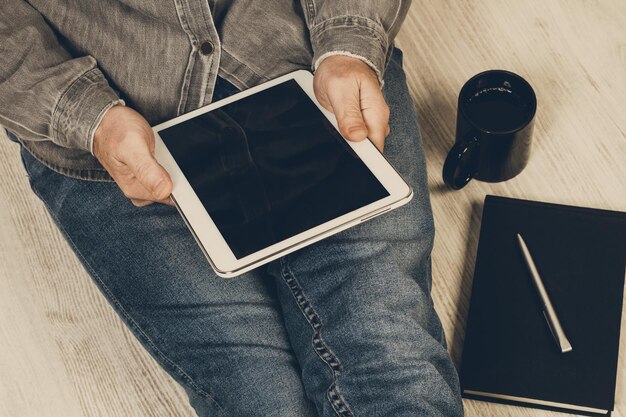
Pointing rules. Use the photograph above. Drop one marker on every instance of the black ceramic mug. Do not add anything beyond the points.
(494, 129)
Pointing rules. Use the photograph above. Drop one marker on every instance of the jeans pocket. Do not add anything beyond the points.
(25, 165)
(24, 156)
(11, 136)
(397, 55)
(33, 167)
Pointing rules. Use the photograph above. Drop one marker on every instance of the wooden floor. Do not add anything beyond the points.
(63, 351)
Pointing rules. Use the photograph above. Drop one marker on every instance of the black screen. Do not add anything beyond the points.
(270, 166)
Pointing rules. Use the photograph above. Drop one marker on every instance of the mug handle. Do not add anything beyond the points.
(462, 162)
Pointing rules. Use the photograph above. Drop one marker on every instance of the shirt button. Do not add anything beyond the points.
(206, 48)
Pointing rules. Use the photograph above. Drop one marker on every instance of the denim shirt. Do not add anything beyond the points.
(63, 63)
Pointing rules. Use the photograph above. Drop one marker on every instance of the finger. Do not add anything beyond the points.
(140, 203)
(346, 104)
(376, 132)
(146, 169)
(134, 190)
(168, 201)
(375, 113)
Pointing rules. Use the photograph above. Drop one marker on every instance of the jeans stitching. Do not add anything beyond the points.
(132, 323)
(333, 395)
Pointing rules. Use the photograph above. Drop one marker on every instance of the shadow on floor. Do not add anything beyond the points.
(462, 303)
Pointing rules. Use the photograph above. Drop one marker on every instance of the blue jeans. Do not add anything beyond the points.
(344, 327)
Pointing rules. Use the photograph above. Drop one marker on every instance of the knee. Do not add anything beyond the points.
(409, 363)
(411, 224)
(419, 217)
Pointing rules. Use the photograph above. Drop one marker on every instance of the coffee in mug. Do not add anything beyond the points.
(495, 119)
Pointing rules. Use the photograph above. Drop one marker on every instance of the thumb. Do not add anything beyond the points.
(148, 171)
(157, 181)
(347, 108)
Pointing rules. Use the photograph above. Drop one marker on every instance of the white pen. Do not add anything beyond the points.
(548, 309)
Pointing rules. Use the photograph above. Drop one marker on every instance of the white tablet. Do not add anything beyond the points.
(265, 172)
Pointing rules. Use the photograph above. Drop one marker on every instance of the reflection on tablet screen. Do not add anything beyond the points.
(270, 166)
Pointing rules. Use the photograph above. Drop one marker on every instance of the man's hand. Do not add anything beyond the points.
(349, 88)
(124, 145)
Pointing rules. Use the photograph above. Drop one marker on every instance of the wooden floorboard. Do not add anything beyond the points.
(64, 352)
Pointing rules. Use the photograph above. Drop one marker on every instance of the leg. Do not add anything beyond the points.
(357, 305)
(223, 340)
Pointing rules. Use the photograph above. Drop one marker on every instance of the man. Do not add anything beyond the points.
(344, 327)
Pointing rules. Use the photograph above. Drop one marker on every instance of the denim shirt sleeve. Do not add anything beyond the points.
(361, 28)
(45, 93)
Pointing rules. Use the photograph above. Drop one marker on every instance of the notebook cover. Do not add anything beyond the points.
(508, 349)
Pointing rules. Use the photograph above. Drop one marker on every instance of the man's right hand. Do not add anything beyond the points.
(124, 145)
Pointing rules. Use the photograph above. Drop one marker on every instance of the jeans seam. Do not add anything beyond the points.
(132, 323)
(334, 397)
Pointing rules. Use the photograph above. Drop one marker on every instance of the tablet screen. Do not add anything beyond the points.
(270, 166)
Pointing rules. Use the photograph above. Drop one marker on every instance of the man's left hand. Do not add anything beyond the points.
(349, 88)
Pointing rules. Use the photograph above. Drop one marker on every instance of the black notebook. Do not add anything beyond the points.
(509, 353)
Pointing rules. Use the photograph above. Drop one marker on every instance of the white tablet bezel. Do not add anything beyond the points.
(217, 251)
